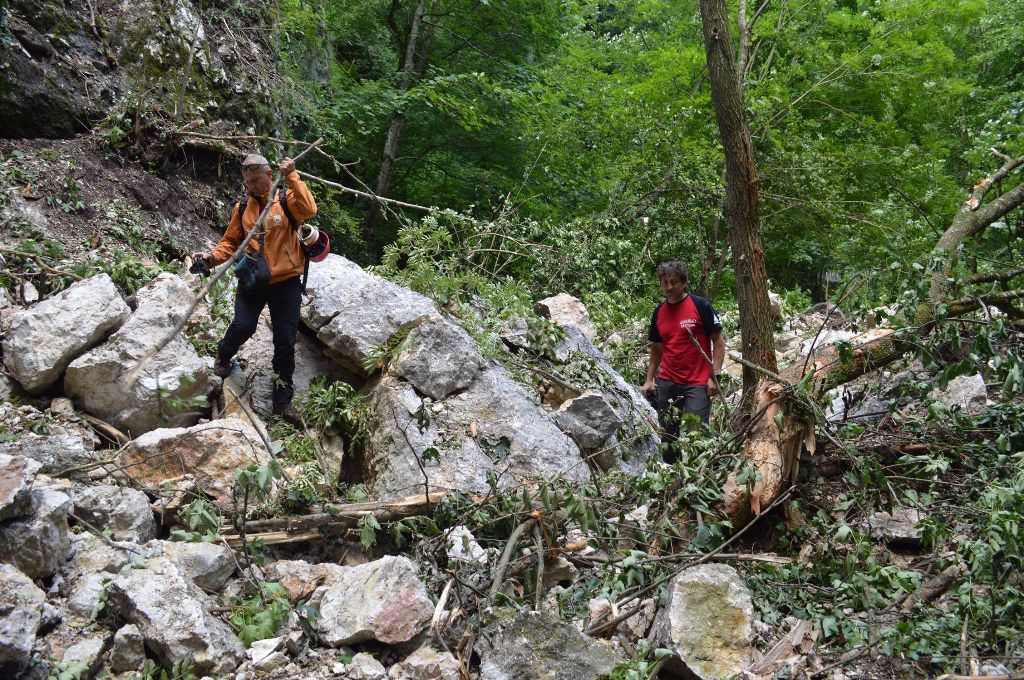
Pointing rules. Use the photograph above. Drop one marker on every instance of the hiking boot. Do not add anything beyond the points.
(288, 413)
(222, 367)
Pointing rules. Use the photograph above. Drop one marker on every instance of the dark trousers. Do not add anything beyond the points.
(673, 401)
(284, 299)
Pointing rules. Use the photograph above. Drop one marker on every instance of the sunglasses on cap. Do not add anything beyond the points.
(254, 166)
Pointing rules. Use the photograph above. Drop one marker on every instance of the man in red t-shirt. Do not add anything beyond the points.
(687, 351)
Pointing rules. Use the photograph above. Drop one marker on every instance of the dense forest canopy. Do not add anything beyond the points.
(587, 127)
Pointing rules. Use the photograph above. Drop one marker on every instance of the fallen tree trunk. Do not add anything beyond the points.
(308, 527)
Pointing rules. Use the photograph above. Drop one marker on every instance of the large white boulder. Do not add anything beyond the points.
(354, 312)
(44, 339)
(168, 385)
(173, 615)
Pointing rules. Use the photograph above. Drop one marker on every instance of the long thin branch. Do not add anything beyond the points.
(364, 194)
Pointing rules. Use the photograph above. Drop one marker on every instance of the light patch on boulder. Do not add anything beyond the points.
(86, 592)
(128, 650)
(210, 565)
(43, 340)
(364, 667)
(21, 604)
(87, 652)
(172, 614)
(566, 310)
(707, 622)
(383, 600)
(353, 312)
(301, 578)
(38, 543)
(122, 511)
(965, 393)
(174, 377)
(211, 452)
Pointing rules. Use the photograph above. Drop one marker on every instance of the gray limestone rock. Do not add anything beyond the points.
(86, 592)
(172, 614)
(383, 600)
(128, 651)
(439, 358)
(21, 604)
(16, 476)
(266, 655)
(88, 652)
(38, 544)
(566, 310)
(122, 511)
(43, 340)
(708, 622)
(898, 528)
(210, 565)
(965, 393)
(589, 419)
(174, 378)
(364, 667)
(534, 646)
(60, 449)
(426, 663)
(353, 312)
(493, 425)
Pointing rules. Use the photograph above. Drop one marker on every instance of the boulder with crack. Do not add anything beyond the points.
(38, 543)
(534, 646)
(21, 605)
(166, 387)
(43, 340)
(707, 622)
(493, 426)
(354, 312)
(122, 511)
(173, 615)
(438, 358)
(589, 419)
(211, 452)
(209, 565)
(383, 600)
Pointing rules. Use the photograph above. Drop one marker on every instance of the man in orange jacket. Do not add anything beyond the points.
(283, 252)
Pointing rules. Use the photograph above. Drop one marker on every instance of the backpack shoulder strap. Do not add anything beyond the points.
(282, 198)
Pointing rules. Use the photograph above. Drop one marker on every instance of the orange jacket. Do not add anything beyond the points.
(282, 251)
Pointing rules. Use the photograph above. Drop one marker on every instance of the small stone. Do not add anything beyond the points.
(20, 616)
(38, 544)
(898, 528)
(462, 546)
(363, 667)
(266, 656)
(62, 407)
(128, 651)
(209, 564)
(124, 512)
(16, 476)
(29, 293)
(427, 663)
(87, 651)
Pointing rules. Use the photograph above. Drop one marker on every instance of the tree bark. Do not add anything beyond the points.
(396, 125)
(741, 195)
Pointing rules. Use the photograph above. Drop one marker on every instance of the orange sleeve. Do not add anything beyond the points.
(232, 237)
(300, 202)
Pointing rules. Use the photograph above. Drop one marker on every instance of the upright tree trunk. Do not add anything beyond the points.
(397, 124)
(740, 195)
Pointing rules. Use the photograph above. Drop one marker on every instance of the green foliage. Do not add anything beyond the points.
(259, 617)
(202, 520)
(339, 406)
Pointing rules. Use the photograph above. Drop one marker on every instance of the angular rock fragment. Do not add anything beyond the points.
(589, 419)
(566, 310)
(382, 600)
(533, 646)
(128, 650)
(427, 663)
(16, 476)
(38, 543)
(707, 622)
(122, 511)
(60, 449)
(364, 667)
(211, 452)
(898, 528)
(21, 605)
(172, 614)
(440, 358)
(43, 340)
(208, 564)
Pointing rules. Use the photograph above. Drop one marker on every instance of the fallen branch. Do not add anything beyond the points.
(364, 194)
(38, 260)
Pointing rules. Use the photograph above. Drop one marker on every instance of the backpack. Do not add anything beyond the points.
(282, 198)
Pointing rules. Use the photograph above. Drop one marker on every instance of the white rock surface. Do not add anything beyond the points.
(172, 614)
(439, 358)
(128, 650)
(174, 377)
(209, 565)
(427, 663)
(122, 511)
(566, 310)
(463, 547)
(364, 667)
(43, 340)
(16, 476)
(965, 393)
(383, 600)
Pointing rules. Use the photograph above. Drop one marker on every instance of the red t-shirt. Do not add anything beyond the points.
(681, 360)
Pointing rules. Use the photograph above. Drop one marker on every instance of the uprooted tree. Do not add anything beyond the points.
(780, 420)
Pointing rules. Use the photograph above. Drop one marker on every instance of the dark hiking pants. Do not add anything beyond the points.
(673, 401)
(283, 299)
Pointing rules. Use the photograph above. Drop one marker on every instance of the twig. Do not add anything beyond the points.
(538, 540)
(499, 574)
(364, 194)
(38, 260)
